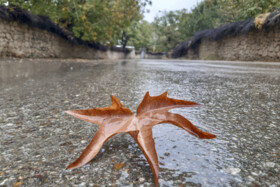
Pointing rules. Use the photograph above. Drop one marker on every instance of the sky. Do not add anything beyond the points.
(161, 5)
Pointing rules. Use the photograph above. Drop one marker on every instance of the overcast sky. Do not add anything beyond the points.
(161, 5)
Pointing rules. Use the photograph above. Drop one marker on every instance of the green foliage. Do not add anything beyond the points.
(140, 35)
(234, 10)
(105, 21)
(204, 16)
(173, 27)
(91, 20)
(166, 33)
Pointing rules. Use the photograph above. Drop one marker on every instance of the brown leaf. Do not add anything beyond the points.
(118, 166)
(117, 119)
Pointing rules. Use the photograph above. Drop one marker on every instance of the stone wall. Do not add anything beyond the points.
(21, 40)
(256, 39)
(149, 55)
(253, 46)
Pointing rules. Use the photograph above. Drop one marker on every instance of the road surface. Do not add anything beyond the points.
(38, 140)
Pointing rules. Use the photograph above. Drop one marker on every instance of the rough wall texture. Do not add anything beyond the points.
(256, 39)
(253, 46)
(21, 40)
(149, 55)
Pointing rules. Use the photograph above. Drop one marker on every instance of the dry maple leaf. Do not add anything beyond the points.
(118, 119)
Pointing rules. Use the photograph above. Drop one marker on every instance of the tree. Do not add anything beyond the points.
(140, 34)
(204, 16)
(171, 28)
(235, 10)
(101, 21)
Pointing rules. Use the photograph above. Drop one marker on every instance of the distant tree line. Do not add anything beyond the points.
(174, 27)
(112, 22)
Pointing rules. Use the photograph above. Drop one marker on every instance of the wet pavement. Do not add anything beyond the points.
(38, 140)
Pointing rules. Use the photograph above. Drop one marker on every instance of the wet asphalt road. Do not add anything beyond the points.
(38, 140)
